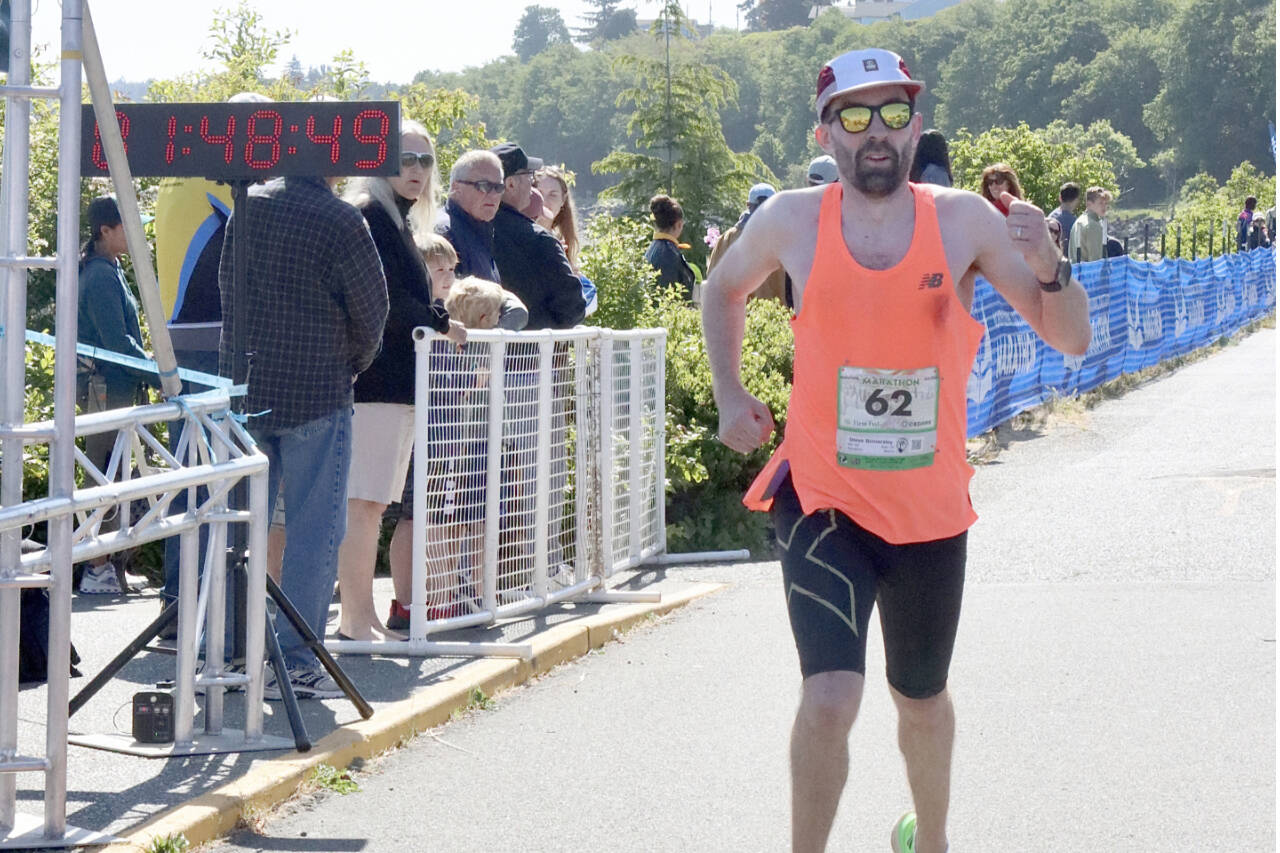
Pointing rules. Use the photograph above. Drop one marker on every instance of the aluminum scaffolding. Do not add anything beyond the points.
(215, 454)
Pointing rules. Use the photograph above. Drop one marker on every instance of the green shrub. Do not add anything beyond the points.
(705, 479)
(1204, 206)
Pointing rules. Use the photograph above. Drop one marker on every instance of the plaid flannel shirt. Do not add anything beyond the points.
(317, 301)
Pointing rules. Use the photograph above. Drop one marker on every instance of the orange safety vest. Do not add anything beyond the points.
(876, 422)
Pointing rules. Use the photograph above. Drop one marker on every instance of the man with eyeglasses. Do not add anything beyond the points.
(531, 260)
(475, 192)
(869, 487)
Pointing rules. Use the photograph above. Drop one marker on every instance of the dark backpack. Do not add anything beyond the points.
(33, 639)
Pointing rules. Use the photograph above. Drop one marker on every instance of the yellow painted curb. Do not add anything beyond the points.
(273, 780)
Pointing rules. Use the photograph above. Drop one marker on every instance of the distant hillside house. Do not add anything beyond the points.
(874, 11)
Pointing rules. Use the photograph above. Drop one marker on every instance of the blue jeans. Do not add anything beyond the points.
(313, 458)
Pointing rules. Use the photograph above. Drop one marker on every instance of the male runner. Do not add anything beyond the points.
(869, 488)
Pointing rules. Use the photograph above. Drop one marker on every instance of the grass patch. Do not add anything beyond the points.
(329, 778)
(477, 701)
(174, 843)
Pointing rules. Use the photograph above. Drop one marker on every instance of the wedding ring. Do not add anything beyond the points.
(1017, 231)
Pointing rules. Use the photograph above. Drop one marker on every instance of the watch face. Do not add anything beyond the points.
(1064, 272)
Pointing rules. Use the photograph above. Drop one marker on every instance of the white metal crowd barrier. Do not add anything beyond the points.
(538, 473)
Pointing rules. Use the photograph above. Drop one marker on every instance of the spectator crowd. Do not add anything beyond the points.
(333, 289)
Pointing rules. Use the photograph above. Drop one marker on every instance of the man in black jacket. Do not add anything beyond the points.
(531, 262)
(534, 267)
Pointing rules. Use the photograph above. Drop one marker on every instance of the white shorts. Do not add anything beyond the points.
(381, 444)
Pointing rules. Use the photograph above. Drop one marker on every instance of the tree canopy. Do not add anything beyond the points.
(540, 27)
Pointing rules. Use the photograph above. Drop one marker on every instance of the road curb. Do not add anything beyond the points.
(273, 780)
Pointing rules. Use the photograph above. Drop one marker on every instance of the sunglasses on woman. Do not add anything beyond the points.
(408, 159)
(896, 115)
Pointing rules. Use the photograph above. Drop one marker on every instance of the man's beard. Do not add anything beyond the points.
(871, 180)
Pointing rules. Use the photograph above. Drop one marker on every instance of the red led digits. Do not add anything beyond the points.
(379, 138)
(330, 139)
(96, 155)
(223, 139)
(272, 139)
(173, 131)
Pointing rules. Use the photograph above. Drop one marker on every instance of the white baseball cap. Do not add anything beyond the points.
(863, 69)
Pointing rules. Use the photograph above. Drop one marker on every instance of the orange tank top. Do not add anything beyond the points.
(876, 422)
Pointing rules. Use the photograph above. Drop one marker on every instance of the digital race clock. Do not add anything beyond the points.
(262, 140)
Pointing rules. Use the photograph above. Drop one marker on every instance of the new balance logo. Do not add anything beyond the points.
(930, 280)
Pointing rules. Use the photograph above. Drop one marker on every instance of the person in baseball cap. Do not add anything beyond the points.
(822, 170)
(863, 69)
(758, 193)
(881, 306)
(514, 160)
(517, 174)
(853, 90)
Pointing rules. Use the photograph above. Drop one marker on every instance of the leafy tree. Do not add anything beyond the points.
(348, 77)
(1204, 206)
(1219, 85)
(1042, 166)
(1117, 149)
(680, 145)
(562, 108)
(607, 22)
(448, 117)
(539, 28)
(1117, 83)
(293, 73)
(242, 44)
(779, 14)
(1020, 68)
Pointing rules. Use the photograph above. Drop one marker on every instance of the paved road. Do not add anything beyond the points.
(1114, 675)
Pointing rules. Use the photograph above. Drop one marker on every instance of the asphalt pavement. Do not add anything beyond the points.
(1114, 675)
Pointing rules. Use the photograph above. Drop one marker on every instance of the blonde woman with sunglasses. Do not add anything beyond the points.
(382, 424)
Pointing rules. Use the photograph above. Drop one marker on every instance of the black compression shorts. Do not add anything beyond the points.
(833, 570)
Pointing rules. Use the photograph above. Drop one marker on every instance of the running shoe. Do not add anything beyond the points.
(100, 580)
(903, 837)
(307, 684)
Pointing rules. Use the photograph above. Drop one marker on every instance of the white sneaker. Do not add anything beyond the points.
(100, 580)
(307, 684)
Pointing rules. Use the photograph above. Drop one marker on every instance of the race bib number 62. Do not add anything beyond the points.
(887, 419)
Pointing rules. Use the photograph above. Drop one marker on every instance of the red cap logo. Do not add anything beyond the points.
(825, 78)
(902, 66)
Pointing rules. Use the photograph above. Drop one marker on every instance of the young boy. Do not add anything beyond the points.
(457, 437)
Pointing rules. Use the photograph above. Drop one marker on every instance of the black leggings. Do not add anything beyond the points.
(833, 570)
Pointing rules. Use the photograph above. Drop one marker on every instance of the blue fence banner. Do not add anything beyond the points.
(1141, 313)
